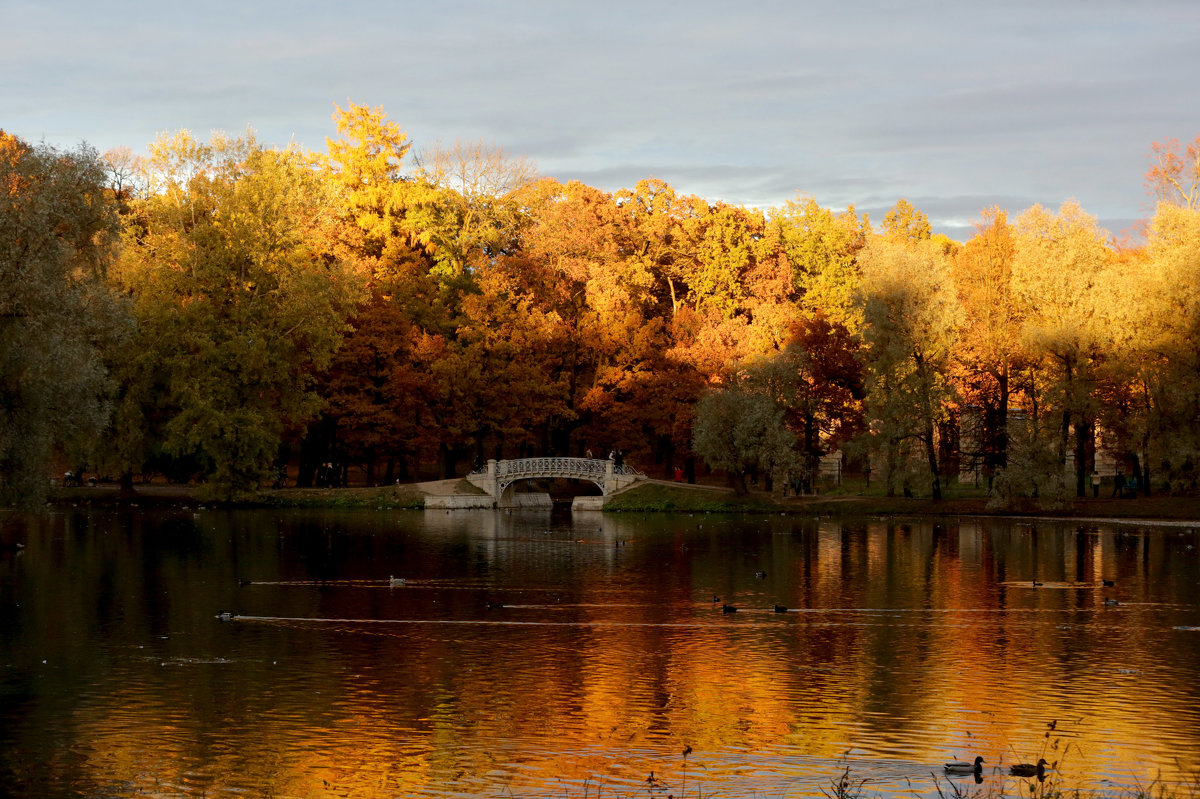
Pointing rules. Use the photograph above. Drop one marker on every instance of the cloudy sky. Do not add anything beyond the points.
(955, 106)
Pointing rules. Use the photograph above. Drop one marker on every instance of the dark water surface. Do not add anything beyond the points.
(905, 644)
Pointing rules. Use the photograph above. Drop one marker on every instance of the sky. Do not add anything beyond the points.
(955, 106)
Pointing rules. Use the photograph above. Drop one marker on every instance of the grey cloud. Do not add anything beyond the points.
(956, 109)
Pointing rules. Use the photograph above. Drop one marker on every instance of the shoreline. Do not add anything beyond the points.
(662, 497)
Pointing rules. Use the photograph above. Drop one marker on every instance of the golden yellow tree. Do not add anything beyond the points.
(1058, 268)
(238, 301)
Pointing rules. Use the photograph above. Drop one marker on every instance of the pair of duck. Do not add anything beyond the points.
(1017, 769)
(733, 609)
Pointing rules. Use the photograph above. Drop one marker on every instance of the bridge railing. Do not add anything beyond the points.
(588, 468)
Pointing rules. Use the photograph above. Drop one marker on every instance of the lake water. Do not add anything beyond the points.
(904, 644)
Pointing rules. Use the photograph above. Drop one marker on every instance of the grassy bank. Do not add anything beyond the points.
(380, 497)
(173, 496)
(663, 497)
(666, 498)
(966, 501)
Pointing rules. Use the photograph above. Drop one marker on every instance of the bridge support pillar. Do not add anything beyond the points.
(487, 480)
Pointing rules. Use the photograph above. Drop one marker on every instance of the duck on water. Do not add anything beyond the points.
(1029, 769)
(964, 767)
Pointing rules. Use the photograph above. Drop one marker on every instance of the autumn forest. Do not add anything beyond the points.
(218, 310)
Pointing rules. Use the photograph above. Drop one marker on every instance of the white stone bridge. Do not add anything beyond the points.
(498, 476)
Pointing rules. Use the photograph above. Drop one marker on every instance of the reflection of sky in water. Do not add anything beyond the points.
(605, 652)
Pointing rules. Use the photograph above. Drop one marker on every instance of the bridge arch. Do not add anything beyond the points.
(498, 476)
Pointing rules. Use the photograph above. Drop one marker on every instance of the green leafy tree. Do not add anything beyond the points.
(477, 213)
(58, 228)
(911, 317)
(238, 299)
(725, 256)
(821, 247)
(658, 231)
(741, 428)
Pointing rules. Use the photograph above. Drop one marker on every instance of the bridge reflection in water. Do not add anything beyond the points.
(496, 478)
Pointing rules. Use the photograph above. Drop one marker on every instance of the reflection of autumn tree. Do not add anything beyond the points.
(633, 659)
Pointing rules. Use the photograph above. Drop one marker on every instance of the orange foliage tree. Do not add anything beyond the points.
(989, 352)
(1174, 173)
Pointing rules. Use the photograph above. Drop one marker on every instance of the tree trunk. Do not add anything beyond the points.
(314, 449)
(668, 457)
(1002, 419)
(812, 458)
(1146, 468)
(1082, 434)
(927, 424)
(931, 456)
